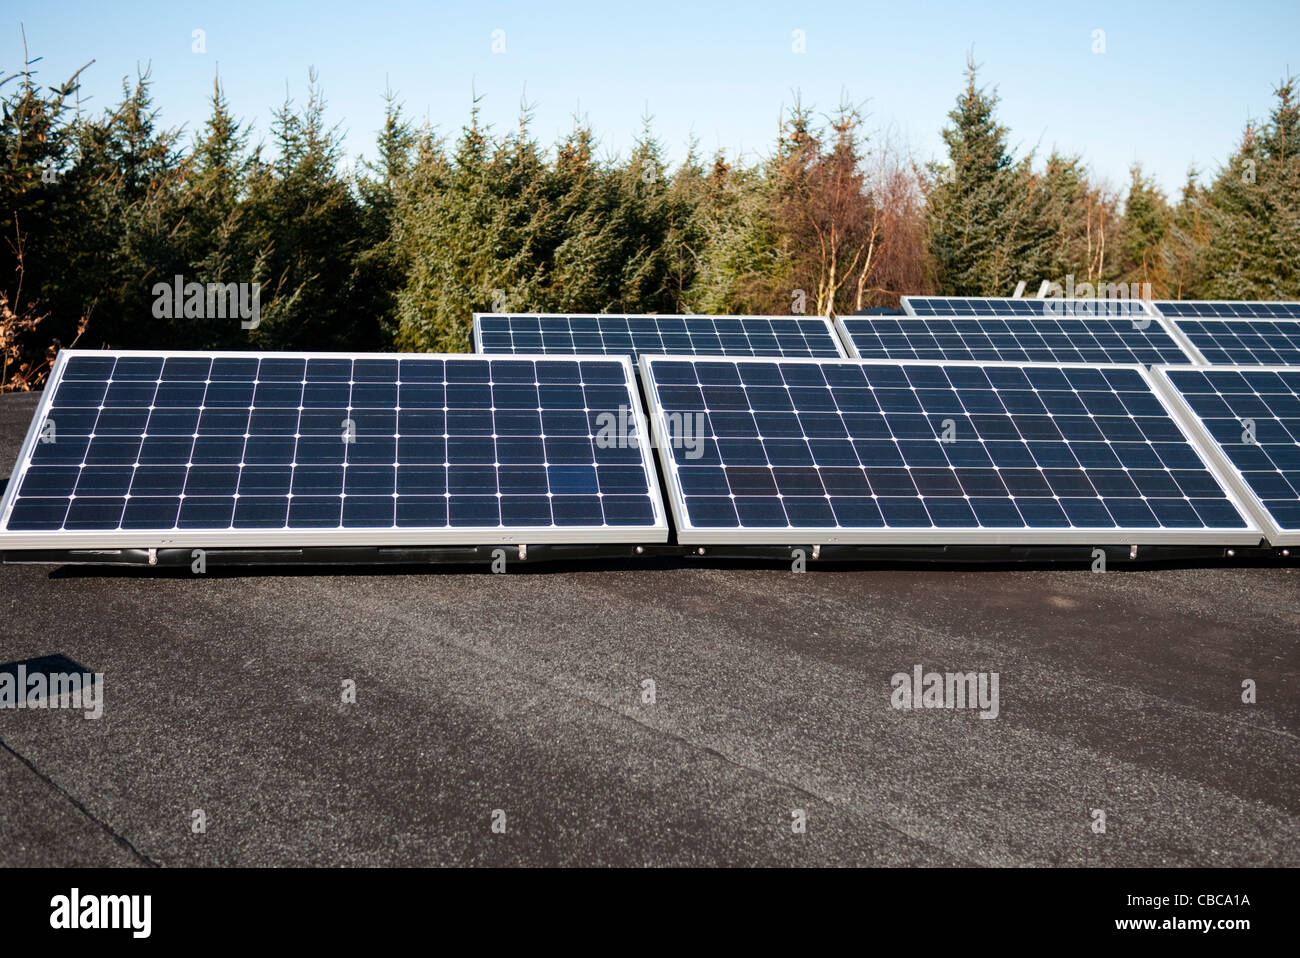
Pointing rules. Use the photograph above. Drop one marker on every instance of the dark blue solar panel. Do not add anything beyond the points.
(1098, 339)
(1009, 306)
(1224, 309)
(609, 334)
(1244, 342)
(851, 451)
(265, 442)
(1253, 415)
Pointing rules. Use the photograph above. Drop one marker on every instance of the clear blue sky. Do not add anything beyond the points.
(1174, 87)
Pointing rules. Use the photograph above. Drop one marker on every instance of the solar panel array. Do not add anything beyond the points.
(1015, 306)
(1096, 339)
(875, 451)
(627, 335)
(1251, 416)
(336, 447)
(970, 420)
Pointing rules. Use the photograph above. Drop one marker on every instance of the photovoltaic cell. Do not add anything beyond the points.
(1244, 342)
(1093, 339)
(1226, 309)
(877, 451)
(1012, 306)
(1250, 416)
(631, 335)
(228, 448)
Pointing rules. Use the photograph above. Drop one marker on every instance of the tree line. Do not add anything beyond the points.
(101, 210)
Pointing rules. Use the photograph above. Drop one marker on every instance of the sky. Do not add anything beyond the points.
(1167, 84)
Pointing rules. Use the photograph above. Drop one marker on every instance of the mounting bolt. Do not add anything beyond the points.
(640, 550)
(1232, 553)
(1286, 553)
(700, 551)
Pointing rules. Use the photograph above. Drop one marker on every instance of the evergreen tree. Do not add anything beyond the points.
(447, 229)
(307, 229)
(573, 182)
(1183, 252)
(685, 238)
(973, 221)
(1063, 225)
(1253, 211)
(41, 209)
(616, 256)
(128, 182)
(1146, 228)
(741, 269)
(381, 264)
(218, 243)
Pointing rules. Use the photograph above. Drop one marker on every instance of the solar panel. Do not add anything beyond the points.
(1249, 419)
(876, 451)
(148, 449)
(631, 335)
(1226, 309)
(1243, 342)
(1095, 339)
(1014, 306)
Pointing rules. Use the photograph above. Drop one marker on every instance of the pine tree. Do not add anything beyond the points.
(448, 222)
(132, 172)
(740, 265)
(44, 205)
(217, 239)
(973, 223)
(685, 238)
(1145, 230)
(1184, 249)
(1253, 211)
(573, 183)
(219, 163)
(381, 264)
(1064, 225)
(307, 230)
(623, 249)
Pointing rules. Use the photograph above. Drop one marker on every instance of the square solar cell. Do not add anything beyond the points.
(630, 335)
(1249, 417)
(135, 449)
(876, 451)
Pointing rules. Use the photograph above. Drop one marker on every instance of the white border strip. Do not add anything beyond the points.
(850, 347)
(827, 535)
